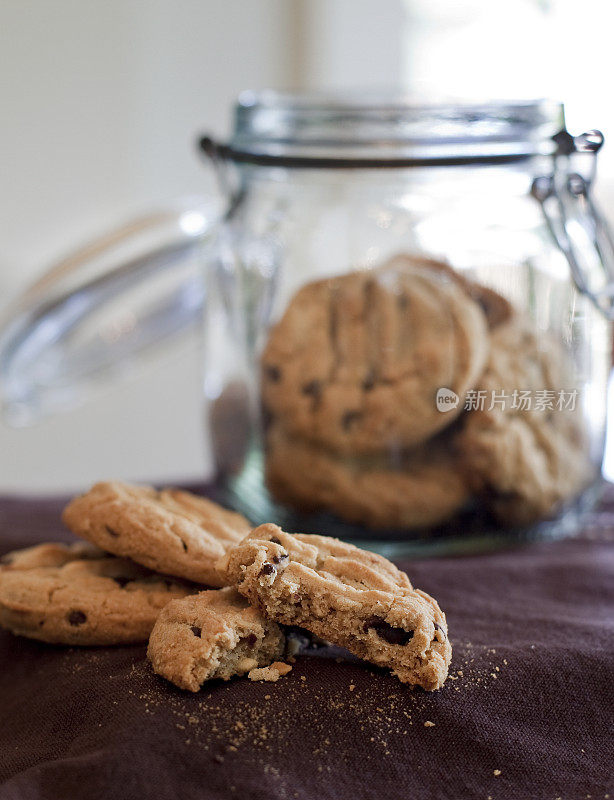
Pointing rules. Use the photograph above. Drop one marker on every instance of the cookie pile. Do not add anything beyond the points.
(142, 549)
(270, 583)
(350, 380)
(80, 595)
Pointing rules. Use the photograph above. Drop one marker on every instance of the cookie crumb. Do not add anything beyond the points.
(496, 772)
(429, 724)
(246, 664)
(352, 687)
(271, 674)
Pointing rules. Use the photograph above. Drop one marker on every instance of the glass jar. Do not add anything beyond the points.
(406, 316)
(407, 335)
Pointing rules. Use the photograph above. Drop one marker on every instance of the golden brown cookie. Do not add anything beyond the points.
(395, 490)
(80, 596)
(50, 554)
(170, 531)
(356, 361)
(525, 460)
(213, 634)
(495, 307)
(348, 596)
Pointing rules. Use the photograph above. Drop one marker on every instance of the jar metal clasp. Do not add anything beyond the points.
(574, 219)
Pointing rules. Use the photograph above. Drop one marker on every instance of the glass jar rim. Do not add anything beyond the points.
(387, 127)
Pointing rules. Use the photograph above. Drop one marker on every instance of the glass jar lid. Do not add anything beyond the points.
(389, 127)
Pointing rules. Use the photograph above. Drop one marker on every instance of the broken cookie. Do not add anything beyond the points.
(353, 598)
(214, 634)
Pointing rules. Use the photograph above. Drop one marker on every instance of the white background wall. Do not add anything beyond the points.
(100, 103)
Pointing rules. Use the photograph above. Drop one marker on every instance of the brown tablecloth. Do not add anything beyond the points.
(527, 712)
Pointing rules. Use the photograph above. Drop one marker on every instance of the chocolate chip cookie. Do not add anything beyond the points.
(394, 490)
(213, 634)
(169, 531)
(351, 597)
(525, 460)
(50, 554)
(496, 308)
(80, 596)
(356, 361)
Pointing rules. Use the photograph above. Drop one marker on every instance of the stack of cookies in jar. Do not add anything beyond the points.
(398, 396)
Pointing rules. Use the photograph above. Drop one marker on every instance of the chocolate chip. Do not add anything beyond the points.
(275, 540)
(251, 640)
(369, 381)
(267, 569)
(388, 632)
(185, 547)
(279, 559)
(313, 389)
(349, 418)
(272, 373)
(196, 631)
(76, 617)
(111, 532)
(439, 628)
(121, 580)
